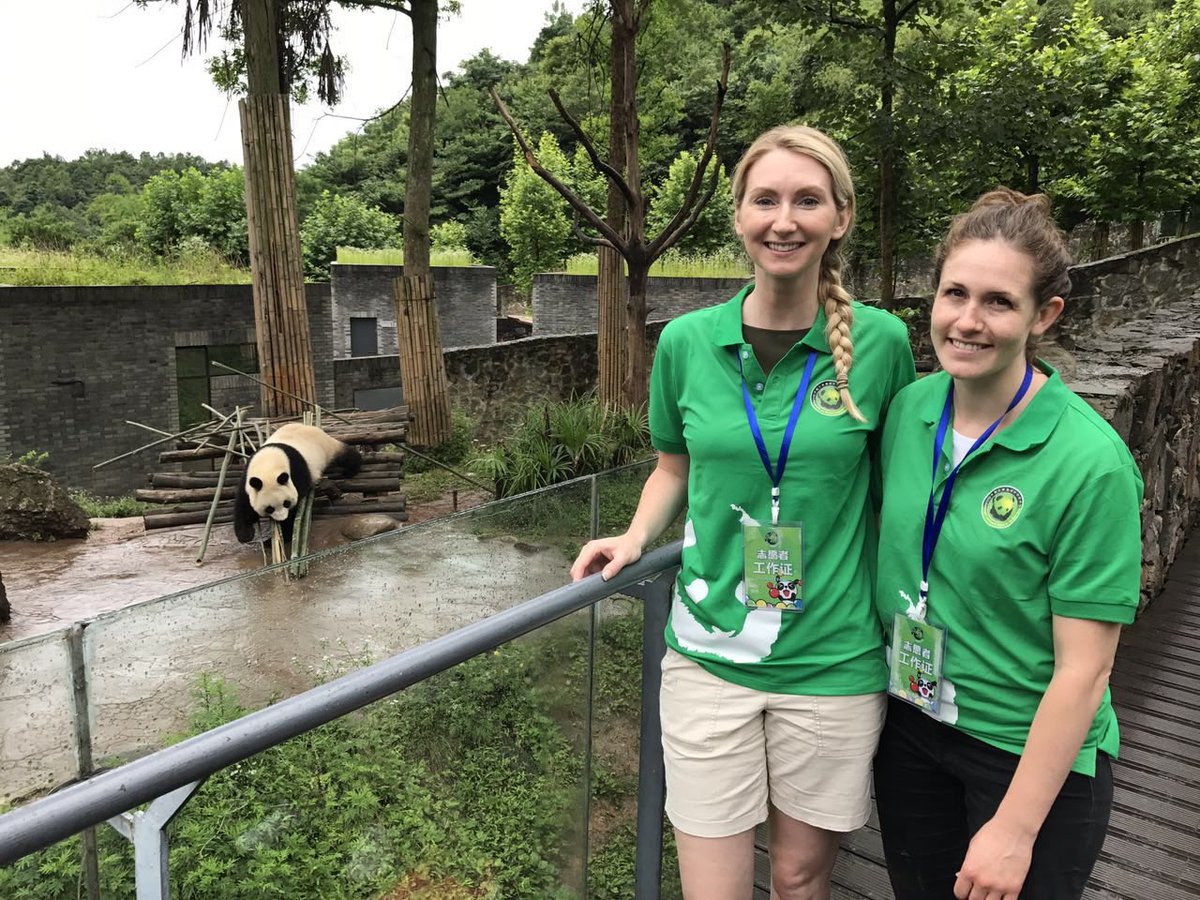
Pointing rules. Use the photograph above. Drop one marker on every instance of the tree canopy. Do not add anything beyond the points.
(1095, 102)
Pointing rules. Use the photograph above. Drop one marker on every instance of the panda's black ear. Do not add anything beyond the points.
(283, 478)
(256, 483)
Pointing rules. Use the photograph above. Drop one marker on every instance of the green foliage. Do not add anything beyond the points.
(394, 256)
(210, 208)
(343, 221)
(560, 441)
(33, 458)
(453, 452)
(107, 507)
(727, 263)
(713, 231)
(533, 218)
(450, 235)
(117, 265)
(45, 228)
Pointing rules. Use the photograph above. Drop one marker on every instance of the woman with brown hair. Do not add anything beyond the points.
(1009, 557)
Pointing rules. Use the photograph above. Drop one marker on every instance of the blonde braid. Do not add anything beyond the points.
(839, 318)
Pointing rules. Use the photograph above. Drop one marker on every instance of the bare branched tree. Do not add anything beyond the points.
(623, 230)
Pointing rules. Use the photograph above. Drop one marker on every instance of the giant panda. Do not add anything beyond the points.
(283, 470)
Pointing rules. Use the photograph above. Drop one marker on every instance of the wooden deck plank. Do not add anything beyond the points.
(1153, 847)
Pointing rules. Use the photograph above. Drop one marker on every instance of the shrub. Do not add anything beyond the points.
(560, 441)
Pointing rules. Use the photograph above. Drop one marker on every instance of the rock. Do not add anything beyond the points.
(5, 609)
(33, 506)
(356, 528)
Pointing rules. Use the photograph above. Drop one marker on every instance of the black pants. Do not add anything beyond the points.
(936, 786)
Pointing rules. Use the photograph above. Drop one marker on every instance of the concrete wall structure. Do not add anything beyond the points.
(76, 363)
(466, 298)
(566, 304)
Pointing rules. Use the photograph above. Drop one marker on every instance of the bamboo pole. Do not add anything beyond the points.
(219, 492)
(422, 366)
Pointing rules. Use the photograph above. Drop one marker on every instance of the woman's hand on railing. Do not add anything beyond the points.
(608, 556)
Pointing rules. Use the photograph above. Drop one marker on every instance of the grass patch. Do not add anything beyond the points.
(50, 267)
(394, 256)
(108, 507)
(676, 265)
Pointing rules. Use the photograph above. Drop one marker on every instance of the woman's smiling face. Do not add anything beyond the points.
(787, 217)
(984, 311)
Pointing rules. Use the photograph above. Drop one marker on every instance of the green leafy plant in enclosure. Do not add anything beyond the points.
(563, 440)
(107, 507)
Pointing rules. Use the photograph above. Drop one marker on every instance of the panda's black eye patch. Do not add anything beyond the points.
(283, 478)
(270, 509)
(287, 504)
(256, 483)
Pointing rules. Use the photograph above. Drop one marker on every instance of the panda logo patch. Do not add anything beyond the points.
(1002, 506)
(826, 399)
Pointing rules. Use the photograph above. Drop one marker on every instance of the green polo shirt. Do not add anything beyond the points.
(1044, 521)
(835, 646)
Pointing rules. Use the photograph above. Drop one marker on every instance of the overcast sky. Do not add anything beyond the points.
(78, 74)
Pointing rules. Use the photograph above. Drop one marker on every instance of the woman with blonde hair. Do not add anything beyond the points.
(765, 411)
(1009, 556)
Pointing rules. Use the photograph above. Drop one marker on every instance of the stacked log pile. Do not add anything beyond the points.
(185, 497)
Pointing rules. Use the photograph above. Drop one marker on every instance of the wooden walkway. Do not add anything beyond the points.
(1153, 847)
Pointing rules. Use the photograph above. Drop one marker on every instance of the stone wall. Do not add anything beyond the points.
(566, 304)
(1144, 377)
(466, 299)
(1129, 286)
(76, 363)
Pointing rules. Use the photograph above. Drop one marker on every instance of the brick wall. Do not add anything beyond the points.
(76, 363)
(566, 304)
(466, 299)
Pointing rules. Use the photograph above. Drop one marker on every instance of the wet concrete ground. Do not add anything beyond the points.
(266, 637)
(56, 583)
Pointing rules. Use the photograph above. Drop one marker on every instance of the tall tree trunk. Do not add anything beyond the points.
(422, 364)
(887, 160)
(1033, 173)
(419, 182)
(1100, 237)
(637, 381)
(611, 291)
(276, 265)
(635, 388)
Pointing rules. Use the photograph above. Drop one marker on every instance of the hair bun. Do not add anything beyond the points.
(1003, 196)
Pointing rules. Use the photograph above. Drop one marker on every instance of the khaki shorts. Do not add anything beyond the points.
(720, 740)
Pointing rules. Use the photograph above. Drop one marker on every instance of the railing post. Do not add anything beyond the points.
(652, 786)
(83, 751)
(146, 829)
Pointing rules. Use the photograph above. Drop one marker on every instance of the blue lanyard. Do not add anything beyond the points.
(934, 521)
(776, 474)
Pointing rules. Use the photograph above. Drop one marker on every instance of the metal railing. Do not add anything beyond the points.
(167, 778)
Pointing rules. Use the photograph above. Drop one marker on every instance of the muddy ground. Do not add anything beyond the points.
(56, 583)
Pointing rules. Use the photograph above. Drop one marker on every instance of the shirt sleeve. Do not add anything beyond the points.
(1096, 556)
(666, 421)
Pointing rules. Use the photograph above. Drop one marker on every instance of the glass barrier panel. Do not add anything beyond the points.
(471, 784)
(37, 717)
(275, 637)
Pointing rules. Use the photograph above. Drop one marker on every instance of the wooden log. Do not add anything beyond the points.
(187, 479)
(383, 456)
(172, 456)
(180, 495)
(226, 505)
(151, 521)
(362, 485)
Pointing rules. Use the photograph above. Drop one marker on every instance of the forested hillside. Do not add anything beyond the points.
(1095, 102)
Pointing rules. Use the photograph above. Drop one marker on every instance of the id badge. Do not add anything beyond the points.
(774, 566)
(916, 670)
